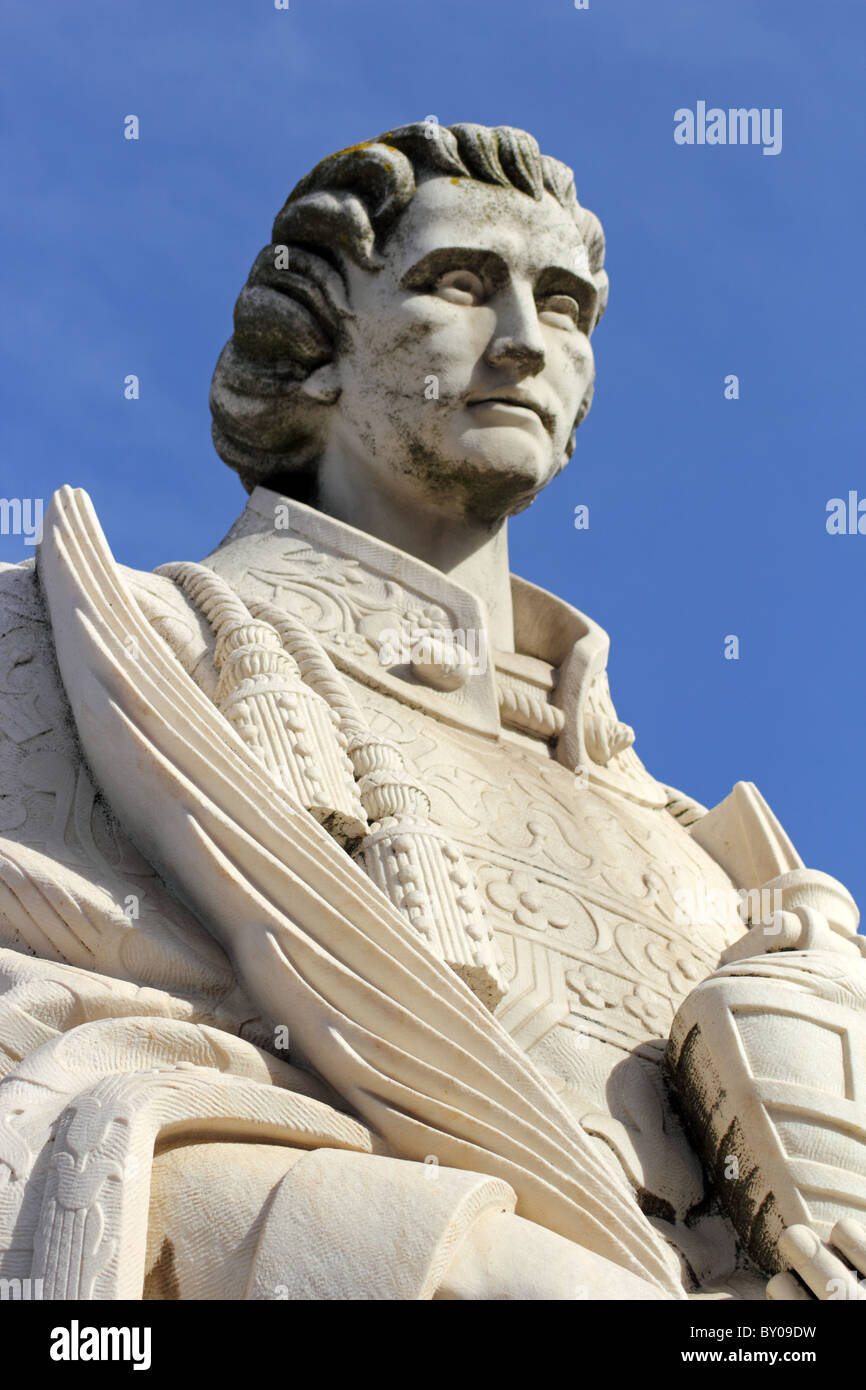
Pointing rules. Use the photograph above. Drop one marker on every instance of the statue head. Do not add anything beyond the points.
(421, 319)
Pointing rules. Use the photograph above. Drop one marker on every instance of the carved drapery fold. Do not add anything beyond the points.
(283, 694)
(387, 1025)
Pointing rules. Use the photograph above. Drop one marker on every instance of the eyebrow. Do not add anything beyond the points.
(443, 258)
(496, 271)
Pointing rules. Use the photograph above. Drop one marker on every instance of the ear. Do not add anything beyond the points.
(323, 385)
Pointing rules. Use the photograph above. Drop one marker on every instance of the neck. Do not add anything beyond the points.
(473, 555)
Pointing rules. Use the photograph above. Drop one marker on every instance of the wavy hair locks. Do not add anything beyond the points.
(287, 316)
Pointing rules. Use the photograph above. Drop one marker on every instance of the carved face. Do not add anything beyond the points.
(464, 368)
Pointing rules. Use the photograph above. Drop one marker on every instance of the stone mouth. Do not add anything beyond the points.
(520, 403)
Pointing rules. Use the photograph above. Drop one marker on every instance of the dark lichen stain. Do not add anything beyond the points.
(161, 1281)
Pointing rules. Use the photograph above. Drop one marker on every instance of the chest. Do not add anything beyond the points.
(607, 913)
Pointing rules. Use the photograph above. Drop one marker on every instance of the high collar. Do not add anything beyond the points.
(366, 600)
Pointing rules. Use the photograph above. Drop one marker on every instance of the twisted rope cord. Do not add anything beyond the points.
(529, 711)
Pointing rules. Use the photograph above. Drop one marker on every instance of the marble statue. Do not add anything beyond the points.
(347, 948)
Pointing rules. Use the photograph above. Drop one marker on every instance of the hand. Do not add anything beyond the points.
(835, 1270)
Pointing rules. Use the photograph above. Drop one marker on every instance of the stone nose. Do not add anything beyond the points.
(511, 352)
(518, 343)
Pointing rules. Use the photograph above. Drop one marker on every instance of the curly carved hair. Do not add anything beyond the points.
(287, 316)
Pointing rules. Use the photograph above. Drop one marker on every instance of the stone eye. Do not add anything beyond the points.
(460, 287)
(553, 308)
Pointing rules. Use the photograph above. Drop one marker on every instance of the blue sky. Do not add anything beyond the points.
(707, 516)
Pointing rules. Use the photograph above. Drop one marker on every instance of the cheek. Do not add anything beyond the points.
(389, 358)
(571, 366)
(437, 337)
(384, 355)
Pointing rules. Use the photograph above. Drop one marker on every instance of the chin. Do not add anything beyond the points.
(513, 464)
(501, 476)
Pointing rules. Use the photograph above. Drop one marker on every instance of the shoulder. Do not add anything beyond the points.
(177, 620)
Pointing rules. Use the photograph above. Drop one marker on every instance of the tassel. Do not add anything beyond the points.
(414, 865)
(292, 730)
